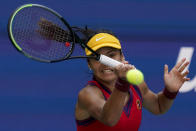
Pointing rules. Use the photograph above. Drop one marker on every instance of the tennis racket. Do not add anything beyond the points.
(42, 34)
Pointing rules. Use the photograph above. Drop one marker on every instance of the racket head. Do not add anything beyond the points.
(31, 29)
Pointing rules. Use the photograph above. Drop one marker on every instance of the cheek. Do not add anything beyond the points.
(94, 65)
(118, 58)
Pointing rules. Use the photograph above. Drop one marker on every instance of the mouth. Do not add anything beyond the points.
(108, 71)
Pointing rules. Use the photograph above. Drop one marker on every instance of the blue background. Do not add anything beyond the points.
(41, 97)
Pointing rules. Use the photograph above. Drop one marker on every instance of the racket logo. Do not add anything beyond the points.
(67, 44)
(99, 38)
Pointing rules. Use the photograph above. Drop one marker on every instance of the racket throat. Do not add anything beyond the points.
(108, 61)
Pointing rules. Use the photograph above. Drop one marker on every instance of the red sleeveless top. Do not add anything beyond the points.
(130, 118)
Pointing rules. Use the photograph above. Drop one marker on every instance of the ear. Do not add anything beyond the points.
(89, 64)
(89, 67)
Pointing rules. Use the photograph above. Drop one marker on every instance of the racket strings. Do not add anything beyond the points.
(41, 34)
(51, 31)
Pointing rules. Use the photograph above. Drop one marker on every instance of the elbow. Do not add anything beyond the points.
(156, 113)
(159, 112)
(110, 122)
(162, 112)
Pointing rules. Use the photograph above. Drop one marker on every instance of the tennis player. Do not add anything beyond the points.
(109, 103)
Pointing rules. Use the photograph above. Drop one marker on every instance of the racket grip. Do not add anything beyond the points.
(108, 61)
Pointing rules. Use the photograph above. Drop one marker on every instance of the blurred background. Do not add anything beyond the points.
(37, 96)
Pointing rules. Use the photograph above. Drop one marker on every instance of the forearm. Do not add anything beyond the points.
(156, 103)
(106, 111)
(164, 103)
(113, 108)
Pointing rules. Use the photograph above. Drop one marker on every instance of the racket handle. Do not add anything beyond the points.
(108, 61)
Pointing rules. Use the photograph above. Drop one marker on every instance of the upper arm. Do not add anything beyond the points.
(150, 99)
(92, 101)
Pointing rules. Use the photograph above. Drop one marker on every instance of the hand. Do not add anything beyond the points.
(122, 69)
(175, 78)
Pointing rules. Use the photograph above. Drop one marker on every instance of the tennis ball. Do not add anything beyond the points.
(135, 77)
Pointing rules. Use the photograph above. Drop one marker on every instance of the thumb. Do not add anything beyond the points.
(166, 69)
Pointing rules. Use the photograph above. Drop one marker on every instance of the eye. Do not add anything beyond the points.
(111, 55)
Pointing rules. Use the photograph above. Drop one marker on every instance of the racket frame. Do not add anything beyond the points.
(11, 37)
(101, 58)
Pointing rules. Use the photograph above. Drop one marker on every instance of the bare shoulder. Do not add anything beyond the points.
(88, 97)
(89, 92)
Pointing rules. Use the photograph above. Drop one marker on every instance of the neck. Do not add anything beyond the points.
(108, 84)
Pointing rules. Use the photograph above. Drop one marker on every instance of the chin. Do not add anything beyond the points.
(108, 78)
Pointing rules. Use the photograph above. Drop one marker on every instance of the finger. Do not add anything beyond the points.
(129, 67)
(185, 73)
(183, 66)
(119, 67)
(180, 63)
(133, 67)
(126, 67)
(186, 79)
(125, 62)
(166, 69)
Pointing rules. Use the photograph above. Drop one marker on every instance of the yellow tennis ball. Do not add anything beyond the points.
(135, 77)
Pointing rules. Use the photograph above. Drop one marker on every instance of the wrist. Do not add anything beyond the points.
(122, 85)
(169, 94)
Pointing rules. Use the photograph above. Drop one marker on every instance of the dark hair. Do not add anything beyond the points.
(51, 31)
(86, 34)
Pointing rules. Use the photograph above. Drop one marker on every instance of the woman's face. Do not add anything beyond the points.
(103, 72)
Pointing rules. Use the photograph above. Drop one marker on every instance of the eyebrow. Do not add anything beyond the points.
(111, 50)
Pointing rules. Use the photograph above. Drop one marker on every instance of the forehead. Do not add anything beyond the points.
(107, 50)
